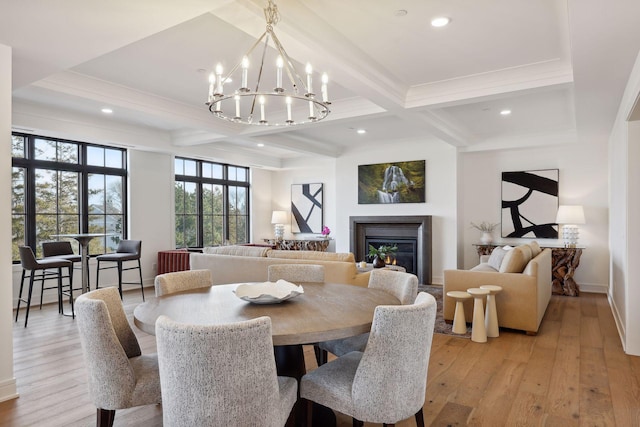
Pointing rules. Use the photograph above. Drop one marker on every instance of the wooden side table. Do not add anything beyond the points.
(300, 244)
(564, 263)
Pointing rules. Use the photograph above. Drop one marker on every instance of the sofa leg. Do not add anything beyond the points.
(531, 333)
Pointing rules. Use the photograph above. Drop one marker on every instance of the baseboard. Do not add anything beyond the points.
(619, 322)
(594, 288)
(8, 390)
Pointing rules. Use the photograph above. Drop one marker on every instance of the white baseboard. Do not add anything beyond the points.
(8, 390)
(618, 320)
(595, 288)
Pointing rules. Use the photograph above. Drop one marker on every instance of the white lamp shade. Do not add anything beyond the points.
(279, 217)
(570, 215)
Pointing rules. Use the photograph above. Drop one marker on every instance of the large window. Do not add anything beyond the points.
(63, 187)
(212, 203)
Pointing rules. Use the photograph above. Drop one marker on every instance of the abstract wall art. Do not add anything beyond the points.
(306, 208)
(530, 204)
(399, 182)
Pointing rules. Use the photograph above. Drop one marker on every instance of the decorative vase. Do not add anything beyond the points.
(486, 238)
(378, 262)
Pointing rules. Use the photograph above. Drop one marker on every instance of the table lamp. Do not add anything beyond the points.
(278, 219)
(569, 217)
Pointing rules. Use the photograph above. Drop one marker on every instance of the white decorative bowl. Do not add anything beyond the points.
(268, 292)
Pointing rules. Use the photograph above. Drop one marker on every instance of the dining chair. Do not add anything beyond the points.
(403, 286)
(296, 273)
(120, 376)
(62, 249)
(128, 250)
(221, 375)
(387, 382)
(169, 283)
(41, 270)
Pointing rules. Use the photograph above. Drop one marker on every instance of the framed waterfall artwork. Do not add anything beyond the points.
(398, 182)
(306, 208)
(530, 204)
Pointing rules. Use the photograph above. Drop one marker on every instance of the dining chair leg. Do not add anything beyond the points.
(20, 294)
(42, 290)
(73, 313)
(309, 411)
(120, 278)
(105, 417)
(26, 317)
(321, 355)
(141, 285)
(97, 274)
(60, 298)
(357, 423)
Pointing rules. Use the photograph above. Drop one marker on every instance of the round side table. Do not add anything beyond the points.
(459, 322)
(491, 315)
(478, 329)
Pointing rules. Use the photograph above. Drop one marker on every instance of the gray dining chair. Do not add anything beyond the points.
(42, 270)
(120, 376)
(296, 273)
(170, 283)
(403, 286)
(128, 250)
(387, 382)
(221, 375)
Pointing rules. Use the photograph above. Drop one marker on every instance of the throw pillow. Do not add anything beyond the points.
(313, 255)
(535, 249)
(495, 260)
(514, 261)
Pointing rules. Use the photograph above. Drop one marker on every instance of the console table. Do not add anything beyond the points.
(300, 244)
(564, 262)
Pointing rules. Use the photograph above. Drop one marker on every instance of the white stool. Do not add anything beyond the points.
(478, 329)
(491, 314)
(459, 322)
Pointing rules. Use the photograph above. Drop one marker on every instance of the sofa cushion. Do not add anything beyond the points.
(484, 266)
(237, 250)
(516, 259)
(535, 249)
(497, 255)
(313, 255)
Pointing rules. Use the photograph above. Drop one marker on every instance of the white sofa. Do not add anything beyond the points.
(525, 280)
(234, 264)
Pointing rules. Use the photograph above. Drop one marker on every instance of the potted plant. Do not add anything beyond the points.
(379, 254)
(486, 228)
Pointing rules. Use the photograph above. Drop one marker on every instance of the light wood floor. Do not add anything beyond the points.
(573, 373)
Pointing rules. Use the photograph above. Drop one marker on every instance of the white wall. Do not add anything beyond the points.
(261, 205)
(7, 380)
(583, 172)
(440, 195)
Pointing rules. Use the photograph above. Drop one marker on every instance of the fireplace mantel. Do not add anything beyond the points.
(418, 227)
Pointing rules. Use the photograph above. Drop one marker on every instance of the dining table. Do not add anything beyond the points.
(324, 311)
(83, 240)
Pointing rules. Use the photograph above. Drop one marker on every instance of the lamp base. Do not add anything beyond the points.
(278, 230)
(570, 234)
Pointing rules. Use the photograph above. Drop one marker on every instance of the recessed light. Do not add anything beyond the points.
(400, 12)
(361, 131)
(260, 144)
(440, 21)
(107, 110)
(505, 112)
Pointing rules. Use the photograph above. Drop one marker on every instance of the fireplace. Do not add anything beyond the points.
(412, 235)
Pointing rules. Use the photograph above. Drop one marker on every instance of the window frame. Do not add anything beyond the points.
(199, 180)
(30, 165)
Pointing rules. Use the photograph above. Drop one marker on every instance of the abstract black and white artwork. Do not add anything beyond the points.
(306, 208)
(530, 204)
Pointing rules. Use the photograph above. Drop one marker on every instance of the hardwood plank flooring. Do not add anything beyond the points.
(573, 373)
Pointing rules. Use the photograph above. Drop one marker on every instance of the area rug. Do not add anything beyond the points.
(441, 327)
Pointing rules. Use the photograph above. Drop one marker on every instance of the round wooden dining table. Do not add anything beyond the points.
(325, 311)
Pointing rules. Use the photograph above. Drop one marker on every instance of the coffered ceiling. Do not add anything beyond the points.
(559, 66)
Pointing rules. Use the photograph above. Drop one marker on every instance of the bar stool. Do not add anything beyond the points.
(31, 264)
(62, 250)
(491, 314)
(459, 321)
(128, 250)
(478, 329)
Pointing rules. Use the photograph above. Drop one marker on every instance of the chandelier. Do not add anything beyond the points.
(285, 100)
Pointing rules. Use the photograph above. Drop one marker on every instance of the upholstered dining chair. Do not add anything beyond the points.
(221, 375)
(296, 273)
(387, 382)
(120, 376)
(128, 250)
(170, 283)
(403, 286)
(44, 269)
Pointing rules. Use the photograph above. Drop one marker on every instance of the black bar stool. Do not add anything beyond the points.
(128, 250)
(63, 250)
(31, 264)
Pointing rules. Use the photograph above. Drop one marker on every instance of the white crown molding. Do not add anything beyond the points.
(516, 141)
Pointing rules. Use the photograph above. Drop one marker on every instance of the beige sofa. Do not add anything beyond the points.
(525, 281)
(234, 264)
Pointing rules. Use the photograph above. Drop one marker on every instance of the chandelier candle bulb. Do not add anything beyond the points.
(288, 101)
(262, 119)
(325, 80)
(237, 98)
(219, 80)
(309, 70)
(279, 65)
(245, 70)
(212, 81)
(311, 115)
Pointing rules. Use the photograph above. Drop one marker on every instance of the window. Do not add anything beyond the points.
(62, 187)
(211, 203)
